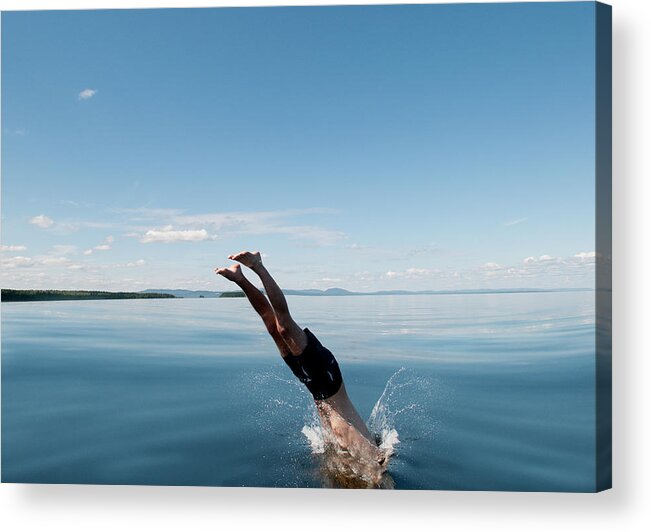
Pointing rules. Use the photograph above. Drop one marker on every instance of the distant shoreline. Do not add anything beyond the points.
(12, 295)
(67, 295)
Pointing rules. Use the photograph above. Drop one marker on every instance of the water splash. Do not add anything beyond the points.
(401, 404)
(381, 422)
(315, 438)
(400, 408)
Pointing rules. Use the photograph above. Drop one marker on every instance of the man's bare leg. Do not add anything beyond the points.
(290, 331)
(337, 411)
(259, 302)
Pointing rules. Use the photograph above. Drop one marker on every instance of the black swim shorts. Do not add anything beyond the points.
(317, 368)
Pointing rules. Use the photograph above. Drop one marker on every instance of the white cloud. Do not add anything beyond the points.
(145, 213)
(365, 276)
(411, 273)
(542, 258)
(544, 271)
(13, 248)
(16, 262)
(53, 261)
(67, 226)
(63, 249)
(120, 265)
(264, 223)
(431, 248)
(41, 221)
(316, 235)
(515, 222)
(170, 225)
(586, 256)
(21, 132)
(169, 234)
(87, 94)
(105, 246)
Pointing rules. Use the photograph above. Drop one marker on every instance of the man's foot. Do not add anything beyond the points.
(232, 273)
(252, 260)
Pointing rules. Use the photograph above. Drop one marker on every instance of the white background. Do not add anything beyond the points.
(626, 507)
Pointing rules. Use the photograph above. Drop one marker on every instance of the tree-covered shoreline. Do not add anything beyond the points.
(63, 295)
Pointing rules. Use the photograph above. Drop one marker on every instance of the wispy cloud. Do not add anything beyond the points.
(72, 226)
(53, 261)
(16, 262)
(171, 225)
(78, 204)
(104, 246)
(21, 132)
(168, 235)
(431, 248)
(146, 213)
(412, 273)
(13, 248)
(86, 94)
(543, 271)
(116, 266)
(63, 249)
(41, 221)
(265, 223)
(550, 267)
(586, 256)
(515, 222)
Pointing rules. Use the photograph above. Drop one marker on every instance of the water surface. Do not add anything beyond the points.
(486, 392)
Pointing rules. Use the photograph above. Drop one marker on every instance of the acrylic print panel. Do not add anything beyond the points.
(429, 185)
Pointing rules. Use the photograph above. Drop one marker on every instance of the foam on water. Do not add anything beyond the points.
(314, 435)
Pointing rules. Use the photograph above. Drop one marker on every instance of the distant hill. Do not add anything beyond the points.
(53, 295)
(315, 292)
(344, 292)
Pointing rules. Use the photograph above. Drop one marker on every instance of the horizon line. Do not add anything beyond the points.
(512, 289)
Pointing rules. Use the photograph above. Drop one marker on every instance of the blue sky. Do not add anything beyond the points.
(384, 147)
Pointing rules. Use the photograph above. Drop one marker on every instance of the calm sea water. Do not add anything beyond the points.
(486, 392)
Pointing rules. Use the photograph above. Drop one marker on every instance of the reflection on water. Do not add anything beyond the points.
(496, 391)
